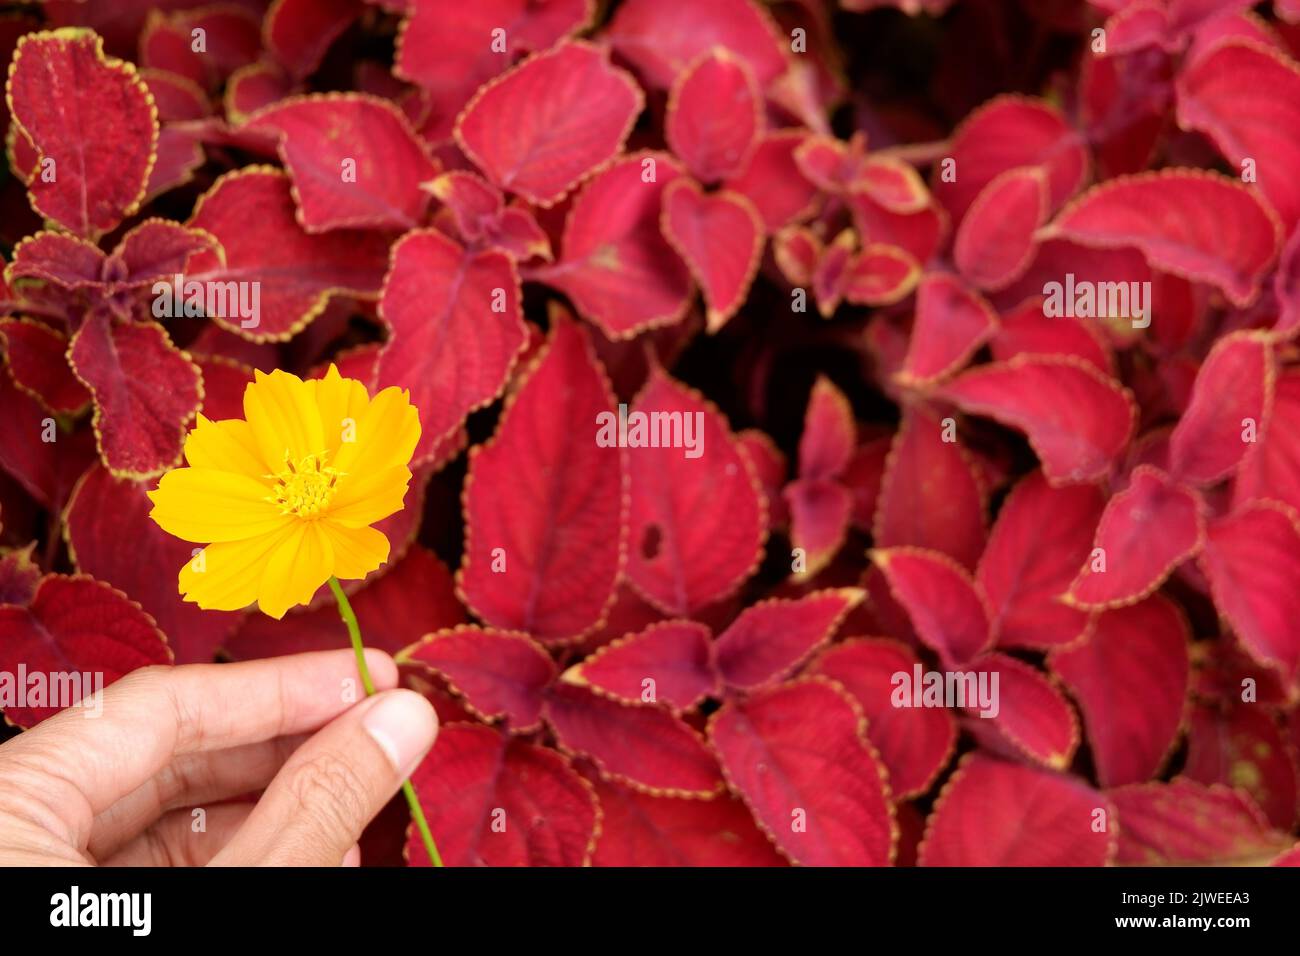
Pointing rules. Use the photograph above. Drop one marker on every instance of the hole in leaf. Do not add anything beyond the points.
(650, 542)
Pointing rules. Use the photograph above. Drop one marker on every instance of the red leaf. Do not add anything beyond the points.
(550, 122)
(74, 626)
(1042, 536)
(1031, 713)
(947, 609)
(772, 182)
(154, 249)
(354, 159)
(1198, 225)
(103, 513)
(1077, 419)
(1130, 678)
(1183, 823)
(820, 510)
(1146, 531)
(176, 97)
(881, 274)
(37, 360)
(409, 599)
(696, 525)
(298, 32)
(19, 576)
(715, 116)
(770, 467)
(1234, 384)
(952, 324)
(146, 393)
(643, 746)
(720, 236)
(297, 273)
(499, 673)
(456, 327)
(930, 495)
(616, 267)
(46, 470)
(663, 37)
(231, 39)
(476, 779)
(1027, 331)
(995, 242)
(815, 784)
(224, 382)
(676, 656)
(915, 743)
(769, 640)
(829, 433)
(256, 87)
(637, 829)
(1244, 747)
(1252, 561)
(100, 129)
(994, 813)
(560, 546)
(1272, 469)
(1211, 91)
(1005, 133)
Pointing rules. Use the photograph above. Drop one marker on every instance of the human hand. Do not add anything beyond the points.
(119, 789)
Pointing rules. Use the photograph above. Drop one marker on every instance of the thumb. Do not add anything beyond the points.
(335, 783)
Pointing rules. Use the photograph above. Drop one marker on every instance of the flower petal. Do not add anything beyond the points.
(201, 504)
(229, 574)
(342, 403)
(357, 551)
(365, 497)
(225, 446)
(281, 411)
(297, 567)
(386, 435)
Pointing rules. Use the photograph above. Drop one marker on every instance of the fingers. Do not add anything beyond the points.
(87, 764)
(334, 784)
(179, 838)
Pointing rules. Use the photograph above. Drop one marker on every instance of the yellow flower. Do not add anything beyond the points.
(284, 498)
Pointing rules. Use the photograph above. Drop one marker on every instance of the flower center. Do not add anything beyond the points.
(304, 489)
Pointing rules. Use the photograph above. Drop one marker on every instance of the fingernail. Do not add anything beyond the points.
(403, 724)
(353, 856)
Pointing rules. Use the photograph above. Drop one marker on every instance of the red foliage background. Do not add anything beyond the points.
(829, 233)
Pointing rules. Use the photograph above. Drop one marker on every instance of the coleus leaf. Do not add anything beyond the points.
(297, 273)
(46, 470)
(550, 813)
(995, 813)
(715, 115)
(499, 673)
(829, 432)
(69, 99)
(456, 328)
(146, 392)
(696, 525)
(1211, 90)
(548, 123)
(1244, 747)
(1042, 536)
(1230, 400)
(78, 626)
(643, 746)
(637, 829)
(815, 785)
(820, 511)
(299, 32)
(948, 610)
(546, 562)
(1146, 531)
(880, 274)
(1006, 133)
(255, 87)
(1272, 469)
(36, 356)
(1252, 561)
(1198, 225)
(1130, 677)
(915, 743)
(1027, 331)
(105, 511)
(1184, 823)
(1077, 419)
(175, 97)
(770, 468)
(930, 494)
(675, 657)
(661, 38)
(478, 210)
(354, 158)
(772, 182)
(920, 233)
(770, 639)
(1031, 712)
(720, 237)
(19, 576)
(952, 323)
(996, 239)
(415, 595)
(616, 267)
(231, 39)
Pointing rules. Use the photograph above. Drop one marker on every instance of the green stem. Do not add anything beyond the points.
(354, 632)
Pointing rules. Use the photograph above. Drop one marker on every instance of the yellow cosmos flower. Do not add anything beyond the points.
(285, 497)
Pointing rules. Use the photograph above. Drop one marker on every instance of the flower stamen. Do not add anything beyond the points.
(306, 488)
